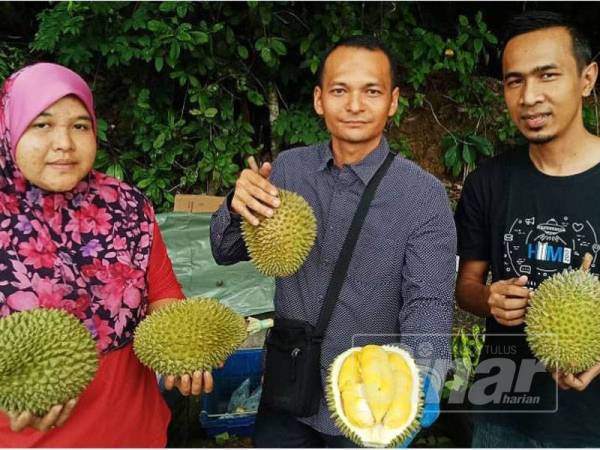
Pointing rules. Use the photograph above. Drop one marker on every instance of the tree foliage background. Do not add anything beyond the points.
(185, 91)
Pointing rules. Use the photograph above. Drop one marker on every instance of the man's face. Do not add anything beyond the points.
(542, 86)
(356, 96)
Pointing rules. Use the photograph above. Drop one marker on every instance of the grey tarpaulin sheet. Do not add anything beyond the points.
(239, 286)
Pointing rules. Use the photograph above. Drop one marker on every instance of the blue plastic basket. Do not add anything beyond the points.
(245, 363)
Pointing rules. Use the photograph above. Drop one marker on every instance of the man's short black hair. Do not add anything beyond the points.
(364, 41)
(539, 20)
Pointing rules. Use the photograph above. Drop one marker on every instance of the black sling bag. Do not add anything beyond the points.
(292, 378)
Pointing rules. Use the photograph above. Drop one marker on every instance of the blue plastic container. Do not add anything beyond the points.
(245, 363)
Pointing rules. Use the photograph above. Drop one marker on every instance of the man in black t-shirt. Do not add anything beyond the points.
(526, 215)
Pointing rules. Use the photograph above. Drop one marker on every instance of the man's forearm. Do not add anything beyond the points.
(472, 296)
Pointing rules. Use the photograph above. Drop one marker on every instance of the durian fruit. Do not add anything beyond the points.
(375, 395)
(47, 357)
(188, 335)
(279, 245)
(563, 321)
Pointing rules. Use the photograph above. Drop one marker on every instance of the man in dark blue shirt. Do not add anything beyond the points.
(401, 277)
(525, 215)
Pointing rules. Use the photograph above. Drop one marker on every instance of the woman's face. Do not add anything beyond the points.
(58, 149)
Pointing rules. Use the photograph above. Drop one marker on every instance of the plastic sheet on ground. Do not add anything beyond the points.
(239, 286)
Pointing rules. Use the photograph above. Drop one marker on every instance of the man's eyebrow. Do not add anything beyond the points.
(535, 70)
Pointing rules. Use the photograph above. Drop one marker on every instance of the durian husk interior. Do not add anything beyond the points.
(374, 394)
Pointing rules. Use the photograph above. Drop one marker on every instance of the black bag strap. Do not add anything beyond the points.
(341, 266)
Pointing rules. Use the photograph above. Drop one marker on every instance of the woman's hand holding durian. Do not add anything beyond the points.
(193, 384)
(56, 417)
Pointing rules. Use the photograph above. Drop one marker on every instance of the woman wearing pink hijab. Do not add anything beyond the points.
(79, 240)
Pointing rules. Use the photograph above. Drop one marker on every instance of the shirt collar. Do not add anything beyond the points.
(364, 169)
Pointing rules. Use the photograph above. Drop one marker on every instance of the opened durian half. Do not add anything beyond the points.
(374, 394)
(279, 245)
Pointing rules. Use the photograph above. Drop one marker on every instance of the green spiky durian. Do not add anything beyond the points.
(279, 245)
(188, 335)
(375, 395)
(47, 357)
(563, 321)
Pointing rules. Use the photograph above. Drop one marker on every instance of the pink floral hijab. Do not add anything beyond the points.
(85, 251)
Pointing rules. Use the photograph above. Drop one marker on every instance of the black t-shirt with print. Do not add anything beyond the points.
(524, 222)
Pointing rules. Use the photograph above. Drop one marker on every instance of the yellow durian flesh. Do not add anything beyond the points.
(375, 396)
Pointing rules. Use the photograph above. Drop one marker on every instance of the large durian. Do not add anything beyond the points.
(375, 395)
(279, 245)
(563, 321)
(47, 357)
(189, 335)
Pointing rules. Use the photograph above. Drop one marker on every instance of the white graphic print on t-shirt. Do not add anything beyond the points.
(539, 248)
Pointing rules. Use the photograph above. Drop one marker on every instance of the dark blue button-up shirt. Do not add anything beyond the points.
(400, 283)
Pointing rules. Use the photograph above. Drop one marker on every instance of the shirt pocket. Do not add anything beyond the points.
(374, 260)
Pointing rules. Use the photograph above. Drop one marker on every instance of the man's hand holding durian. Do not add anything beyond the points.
(579, 381)
(253, 194)
(508, 301)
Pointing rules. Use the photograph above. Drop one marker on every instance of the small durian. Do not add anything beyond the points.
(375, 395)
(563, 321)
(279, 245)
(189, 335)
(47, 357)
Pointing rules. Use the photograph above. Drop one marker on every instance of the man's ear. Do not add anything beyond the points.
(394, 102)
(317, 104)
(589, 77)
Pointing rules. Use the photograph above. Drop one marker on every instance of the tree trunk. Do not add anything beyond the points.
(273, 102)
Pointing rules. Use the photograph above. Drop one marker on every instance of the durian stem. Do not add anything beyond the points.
(255, 325)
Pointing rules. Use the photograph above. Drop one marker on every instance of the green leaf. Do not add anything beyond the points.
(159, 63)
(491, 38)
(115, 171)
(242, 51)
(265, 54)
(154, 25)
(278, 47)
(101, 129)
(219, 144)
(478, 45)
(468, 154)
(463, 21)
(167, 6)
(159, 141)
(174, 51)
(304, 46)
(211, 112)
(256, 97)
(451, 156)
(200, 37)
(142, 184)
